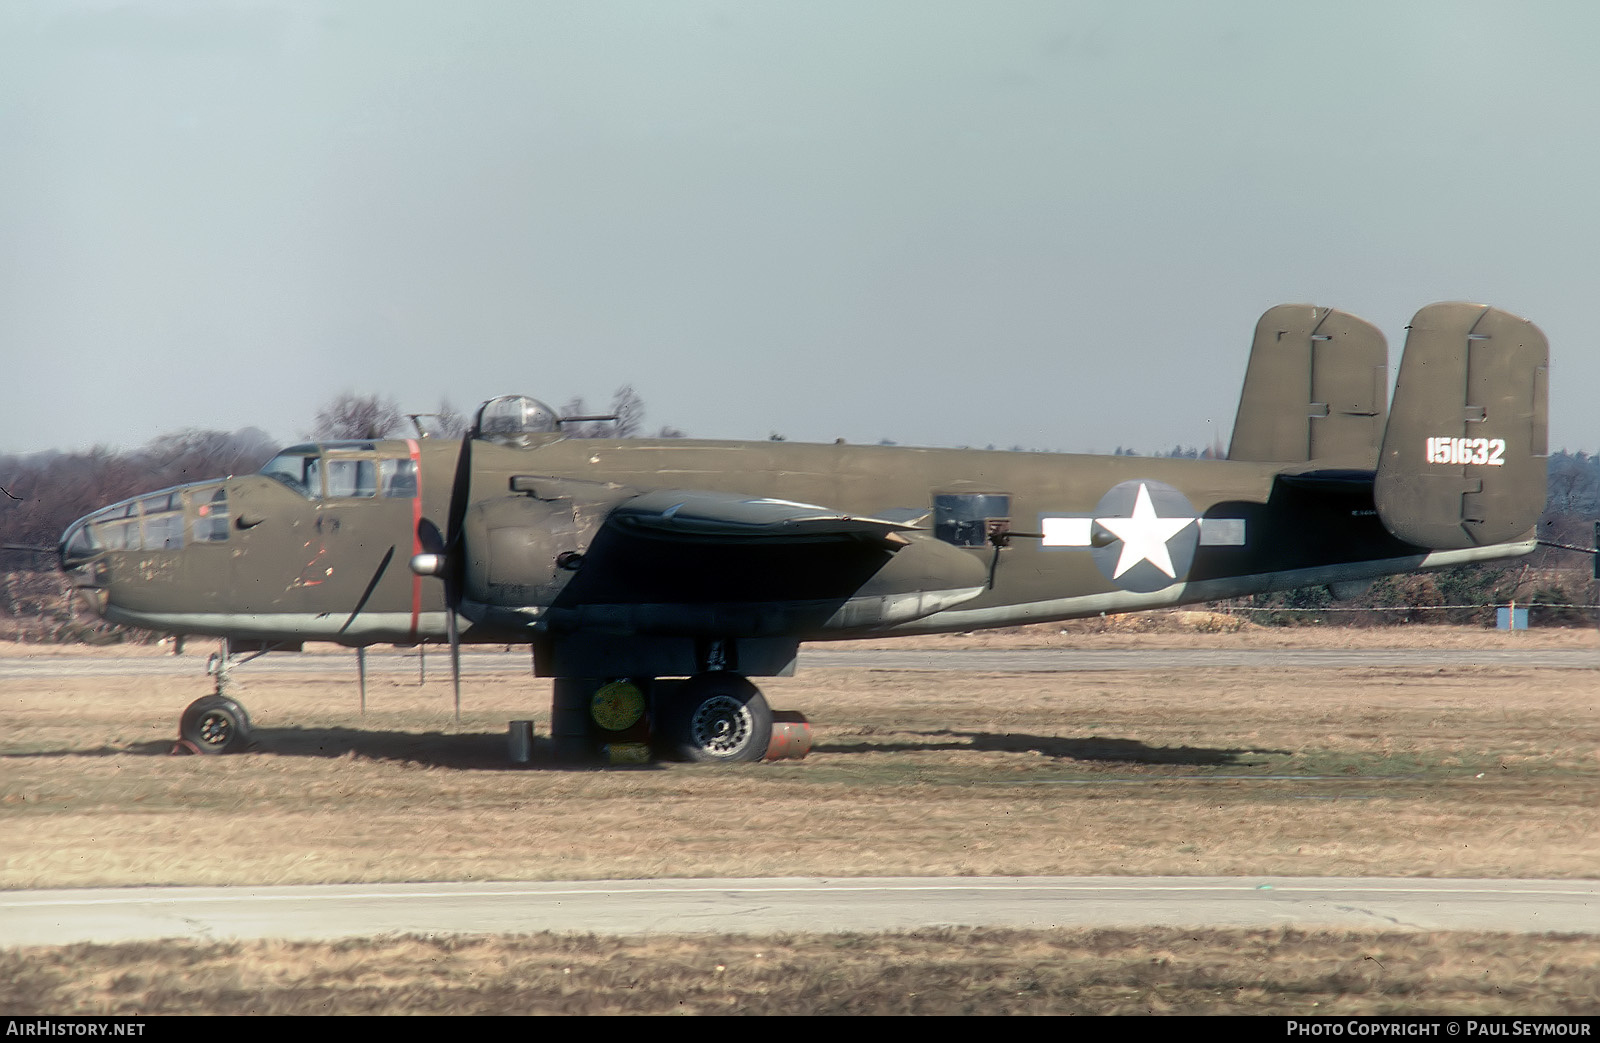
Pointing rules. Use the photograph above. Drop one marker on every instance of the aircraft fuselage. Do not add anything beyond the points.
(1093, 534)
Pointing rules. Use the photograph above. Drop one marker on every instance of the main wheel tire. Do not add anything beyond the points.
(215, 724)
(718, 719)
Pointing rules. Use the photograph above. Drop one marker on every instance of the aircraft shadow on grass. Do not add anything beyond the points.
(487, 751)
(474, 750)
(1092, 748)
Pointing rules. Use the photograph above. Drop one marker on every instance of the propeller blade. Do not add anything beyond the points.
(455, 657)
(460, 494)
(429, 537)
(448, 545)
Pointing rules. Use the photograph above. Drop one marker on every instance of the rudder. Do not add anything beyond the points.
(1463, 460)
(1315, 389)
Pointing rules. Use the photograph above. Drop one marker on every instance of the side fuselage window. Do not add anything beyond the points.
(155, 522)
(117, 528)
(210, 515)
(163, 521)
(398, 478)
(966, 519)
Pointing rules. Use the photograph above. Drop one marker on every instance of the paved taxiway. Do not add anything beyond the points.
(633, 907)
(815, 657)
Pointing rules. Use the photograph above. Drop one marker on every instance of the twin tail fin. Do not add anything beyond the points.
(1464, 454)
(1460, 452)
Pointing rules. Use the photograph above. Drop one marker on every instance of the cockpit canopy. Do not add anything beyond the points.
(512, 418)
(344, 470)
(152, 522)
(198, 513)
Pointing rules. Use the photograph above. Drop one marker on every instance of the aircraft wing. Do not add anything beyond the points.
(713, 516)
(719, 564)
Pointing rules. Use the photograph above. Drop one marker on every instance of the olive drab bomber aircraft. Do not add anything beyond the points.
(674, 570)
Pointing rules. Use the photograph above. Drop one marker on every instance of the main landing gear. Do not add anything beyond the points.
(711, 718)
(715, 719)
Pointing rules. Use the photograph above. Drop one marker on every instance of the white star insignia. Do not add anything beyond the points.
(1144, 536)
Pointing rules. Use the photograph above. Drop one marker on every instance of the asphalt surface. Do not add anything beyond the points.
(639, 907)
(813, 658)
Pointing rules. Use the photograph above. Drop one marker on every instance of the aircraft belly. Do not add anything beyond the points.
(366, 628)
(730, 619)
(1047, 609)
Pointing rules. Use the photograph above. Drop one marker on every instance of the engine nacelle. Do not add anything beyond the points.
(516, 549)
(521, 551)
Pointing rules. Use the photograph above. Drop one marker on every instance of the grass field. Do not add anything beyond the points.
(951, 971)
(1454, 771)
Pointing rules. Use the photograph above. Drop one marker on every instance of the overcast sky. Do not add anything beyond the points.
(1050, 224)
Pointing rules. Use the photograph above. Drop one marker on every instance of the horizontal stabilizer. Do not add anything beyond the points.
(1463, 462)
(1315, 389)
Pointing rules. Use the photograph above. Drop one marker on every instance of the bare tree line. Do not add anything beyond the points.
(45, 492)
(350, 415)
(49, 490)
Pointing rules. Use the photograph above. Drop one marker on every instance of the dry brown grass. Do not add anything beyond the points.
(1443, 772)
(1447, 772)
(1194, 629)
(949, 971)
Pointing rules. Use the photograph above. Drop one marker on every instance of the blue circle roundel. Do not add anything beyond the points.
(1145, 535)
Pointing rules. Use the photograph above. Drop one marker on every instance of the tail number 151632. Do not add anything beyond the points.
(1445, 450)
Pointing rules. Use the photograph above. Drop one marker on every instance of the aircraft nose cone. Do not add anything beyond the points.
(77, 552)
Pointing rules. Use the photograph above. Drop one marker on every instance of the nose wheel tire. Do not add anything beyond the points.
(215, 724)
(717, 719)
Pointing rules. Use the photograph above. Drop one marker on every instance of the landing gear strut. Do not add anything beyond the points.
(217, 723)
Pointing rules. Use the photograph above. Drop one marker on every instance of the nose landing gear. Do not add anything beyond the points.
(214, 724)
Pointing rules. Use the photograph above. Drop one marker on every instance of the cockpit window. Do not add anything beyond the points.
(398, 478)
(299, 469)
(343, 471)
(348, 478)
